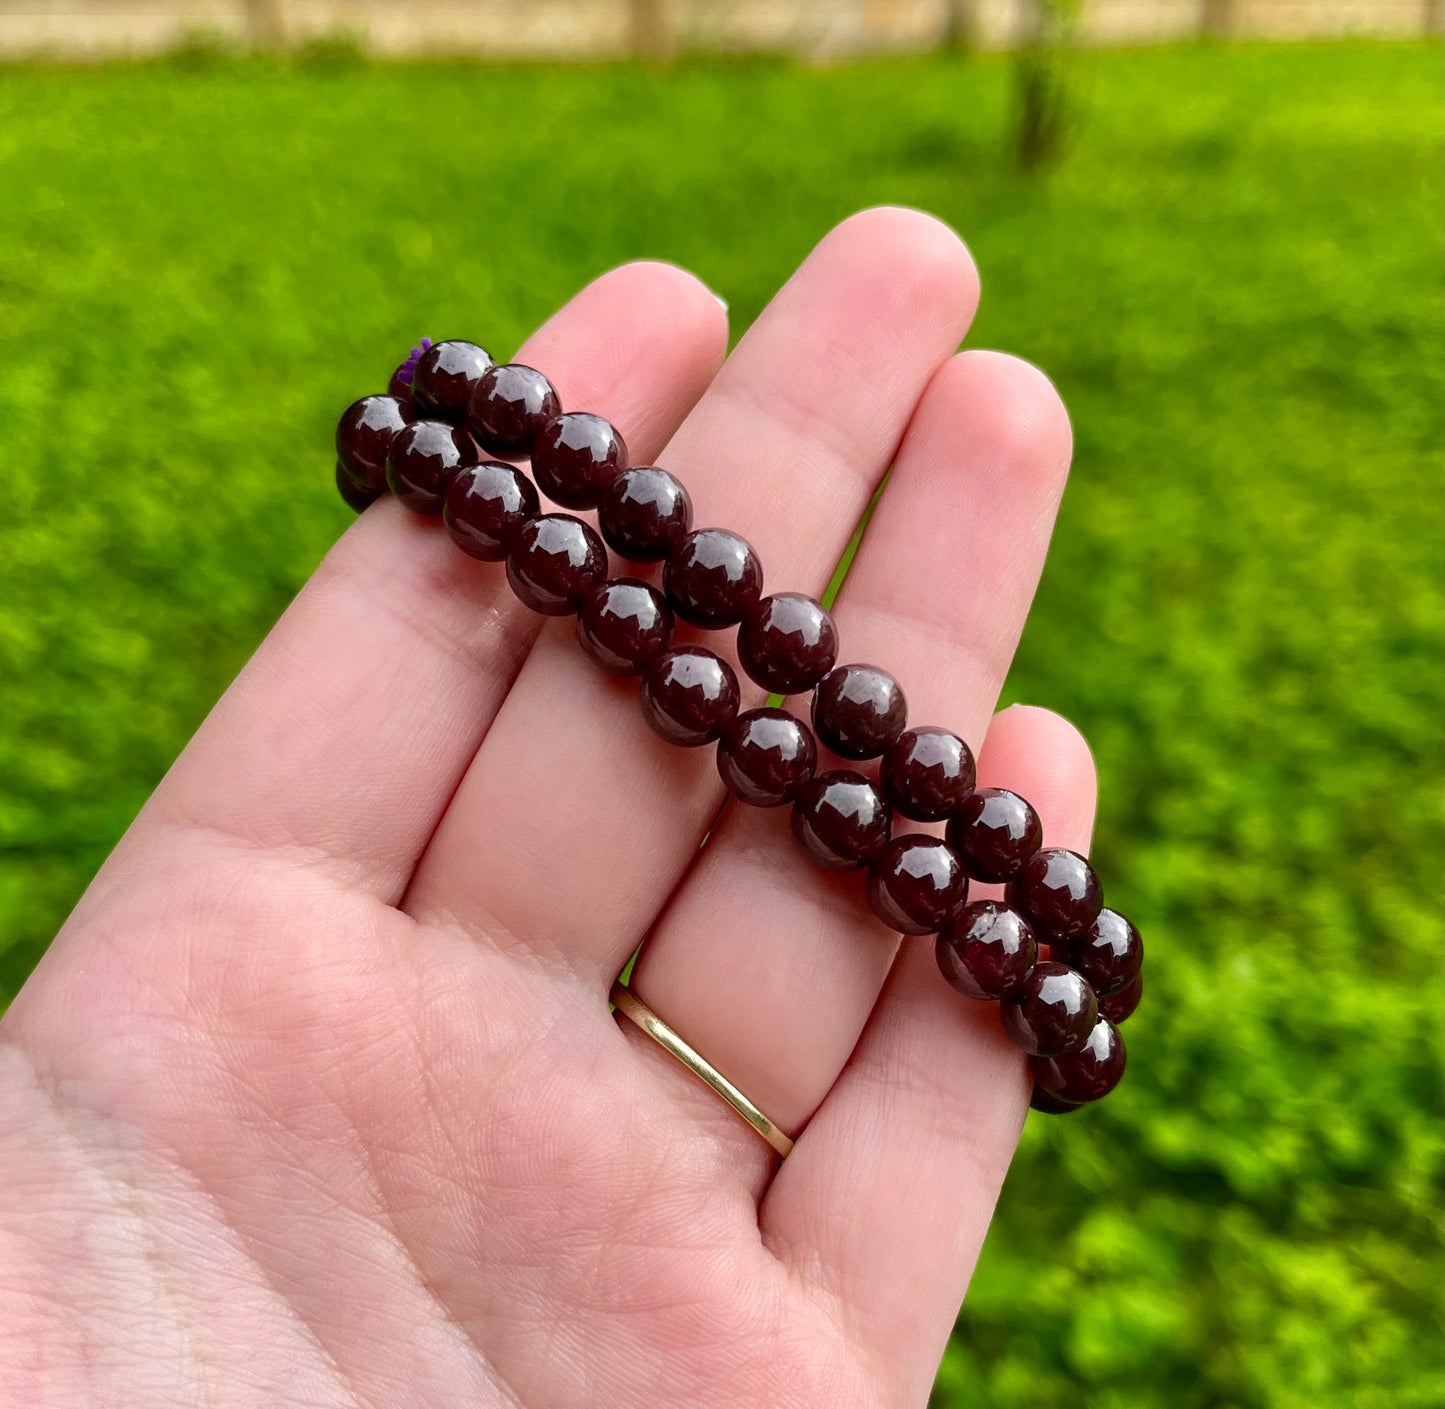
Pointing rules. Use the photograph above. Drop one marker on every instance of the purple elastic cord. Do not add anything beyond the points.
(407, 370)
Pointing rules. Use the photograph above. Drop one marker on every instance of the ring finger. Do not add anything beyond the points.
(768, 966)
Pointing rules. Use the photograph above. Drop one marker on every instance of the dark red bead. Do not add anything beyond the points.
(357, 496)
(841, 820)
(1058, 893)
(1051, 1012)
(859, 711)
(425, 457)
(575, 457)
(400, 385)
(644, 513)
(986, 950)
(1088, 1074)
(916, 883)
(1118, 1006)
(485, 507)
(509, 406)
(446, 375)
(689, 696)
(1050, 1104)
(927, 774)
(555, 563)
(364, 435)
(765, 756)
(787, 643)
(713, 578)
(1109, 956)
(624, 626)
(994, 833)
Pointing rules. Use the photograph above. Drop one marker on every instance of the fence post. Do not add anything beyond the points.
(653, 34)
(1047, 31)
(960, 25)
(265, 24)
(1217, 19)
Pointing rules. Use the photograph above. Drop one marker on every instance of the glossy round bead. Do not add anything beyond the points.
(765, 756)
(713, 578)
(1109, 956)
(425, 457)
(555, 563)
(994, 833)
(1088, 1074)
(916, 883)
(624, 626)
(1051, 1012)
(1058, 893)
(575, 457)
(841, 820)
(644, 513)
(986, 950)
(1118, 1006)
(787, 643)
(401, 379)
(446, 375)
(400, 385)
(689, 696)
(485, 507)
(859, 711)
(927, 774)
(1048, 1103)
(509, 406)
(357, 496)
(364, 435)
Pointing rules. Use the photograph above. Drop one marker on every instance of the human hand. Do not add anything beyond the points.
(317, 1099)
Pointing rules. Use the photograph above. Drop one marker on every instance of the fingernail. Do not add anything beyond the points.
(722, 301)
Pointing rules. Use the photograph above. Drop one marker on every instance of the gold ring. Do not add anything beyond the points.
(630, 1006)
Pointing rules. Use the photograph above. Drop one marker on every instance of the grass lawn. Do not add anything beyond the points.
(1235, 278)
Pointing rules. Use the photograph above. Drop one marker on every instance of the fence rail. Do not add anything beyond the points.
(591, 29)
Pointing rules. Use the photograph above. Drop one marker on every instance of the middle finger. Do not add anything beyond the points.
(574, 822)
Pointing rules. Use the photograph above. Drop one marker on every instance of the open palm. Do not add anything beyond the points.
(318, 1100)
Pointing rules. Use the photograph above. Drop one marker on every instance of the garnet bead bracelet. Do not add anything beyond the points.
(1064, 971)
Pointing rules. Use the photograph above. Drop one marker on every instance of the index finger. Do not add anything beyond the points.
(344, 736)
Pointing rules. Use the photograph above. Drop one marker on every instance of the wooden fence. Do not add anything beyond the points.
(591, 29)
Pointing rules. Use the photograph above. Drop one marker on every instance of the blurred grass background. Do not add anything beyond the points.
(1235, 278)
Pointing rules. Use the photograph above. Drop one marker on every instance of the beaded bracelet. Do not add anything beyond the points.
(450, 404)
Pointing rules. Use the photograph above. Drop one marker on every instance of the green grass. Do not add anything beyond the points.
(1235, 278)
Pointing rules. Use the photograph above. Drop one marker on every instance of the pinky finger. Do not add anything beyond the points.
(884, 1203)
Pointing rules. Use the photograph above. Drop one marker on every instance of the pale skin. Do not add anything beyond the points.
(317, 1100)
